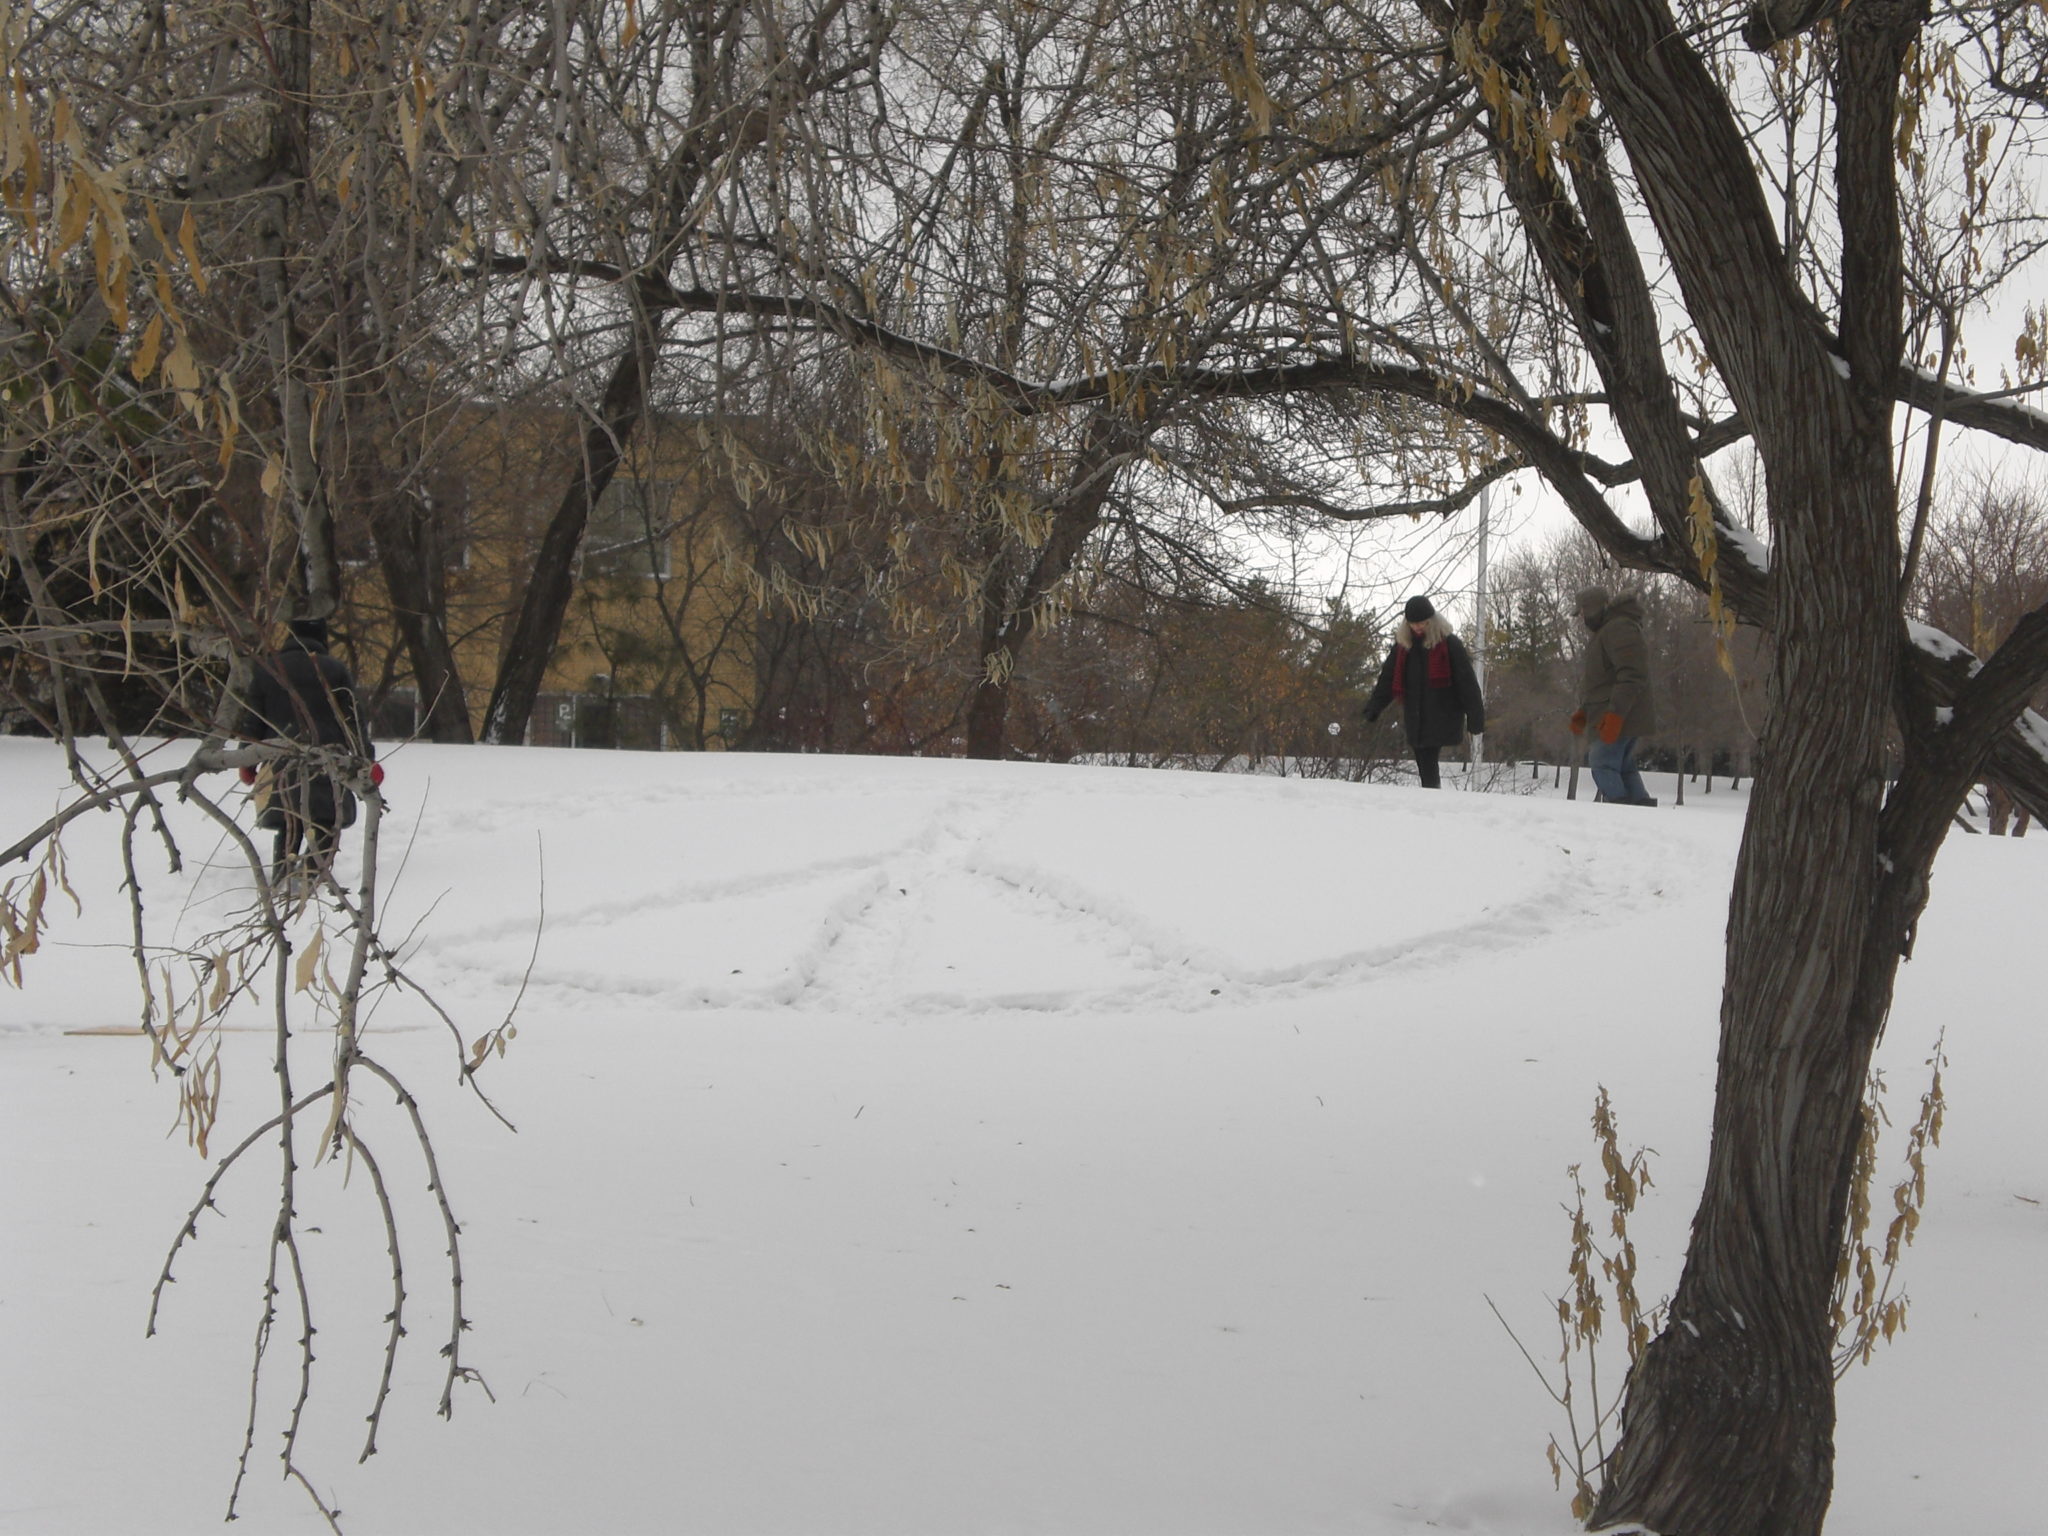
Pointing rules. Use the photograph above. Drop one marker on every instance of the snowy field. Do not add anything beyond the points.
(931, 1148)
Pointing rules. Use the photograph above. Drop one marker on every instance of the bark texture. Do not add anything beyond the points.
(1729, 1422)
(1012, 605)
(409, 556)
(537, 625)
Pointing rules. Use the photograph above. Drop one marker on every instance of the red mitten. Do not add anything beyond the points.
(1578, 722)
(377, 773)
(1610, 727)
(248, 774)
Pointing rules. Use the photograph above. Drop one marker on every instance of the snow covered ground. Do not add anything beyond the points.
(930, 1148)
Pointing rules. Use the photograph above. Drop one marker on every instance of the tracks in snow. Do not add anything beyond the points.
(967, 914)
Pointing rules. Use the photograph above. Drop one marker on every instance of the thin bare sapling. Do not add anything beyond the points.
(308, 952)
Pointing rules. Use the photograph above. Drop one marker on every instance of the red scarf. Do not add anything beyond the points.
(1439, 662)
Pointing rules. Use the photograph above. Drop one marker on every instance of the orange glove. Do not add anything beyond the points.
(1610, 727)
(1578, 722)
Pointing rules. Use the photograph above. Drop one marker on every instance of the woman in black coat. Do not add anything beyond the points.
(1431, 677)
(301, 694)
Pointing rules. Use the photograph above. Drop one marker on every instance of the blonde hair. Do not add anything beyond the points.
(1434, 632)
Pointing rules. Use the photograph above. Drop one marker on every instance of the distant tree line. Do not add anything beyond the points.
(1180, 664)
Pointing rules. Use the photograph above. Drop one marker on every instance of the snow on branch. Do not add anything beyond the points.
(1941, 645)
(1740, 541)
(1997, 413)
(2032, 729)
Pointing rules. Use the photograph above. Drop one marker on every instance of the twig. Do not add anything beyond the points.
(331, 1516)
(540, 918)
(280, 1232)
(1523, 1349)
(256, 1375)
(395, 975)
(191, 1226)
(290, 1243)
(99, 799)
(397, 1316)
(452, 1350)
(141, 948)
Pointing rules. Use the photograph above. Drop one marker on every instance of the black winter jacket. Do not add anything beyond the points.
(303, 694)
(1433, 717)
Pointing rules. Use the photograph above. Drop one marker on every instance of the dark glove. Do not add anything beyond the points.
(248, 774)
(1578, 722)
(1610, 727)
(1371, 715)
(376, 774)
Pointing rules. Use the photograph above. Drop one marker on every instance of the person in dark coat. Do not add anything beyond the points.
(1429, 675)
(1614, 694)
(303, 695)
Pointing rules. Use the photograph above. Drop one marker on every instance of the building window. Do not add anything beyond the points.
(629, 530)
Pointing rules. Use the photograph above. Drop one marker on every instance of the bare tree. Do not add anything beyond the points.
(1729, 1417)
(215, 257)
(1080, 268)
(662, 174)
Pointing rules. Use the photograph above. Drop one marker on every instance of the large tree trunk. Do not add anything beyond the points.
(316, 575)
(409, 555)
(1010, 612)
(988, 720)
(1728, 1426)
(537, 626)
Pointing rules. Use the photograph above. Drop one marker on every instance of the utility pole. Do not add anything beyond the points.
(1479, 628)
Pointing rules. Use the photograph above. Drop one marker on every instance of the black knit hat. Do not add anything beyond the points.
(1418, 610)
(308, 631)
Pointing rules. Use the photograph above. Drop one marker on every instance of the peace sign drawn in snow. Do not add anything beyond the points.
(921, 1147)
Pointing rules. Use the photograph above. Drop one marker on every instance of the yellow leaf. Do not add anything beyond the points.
(408, 132)
(167, 298)
(146, 351)
(181, 368)
(33, 923)
(309, 960)
(188, 242)
(73, 204)
(156, 226)
(273, 475)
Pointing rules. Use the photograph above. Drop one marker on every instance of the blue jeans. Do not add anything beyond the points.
(1614, 770)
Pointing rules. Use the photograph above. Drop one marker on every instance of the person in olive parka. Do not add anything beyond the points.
(1429, 675)
(1615, 700)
